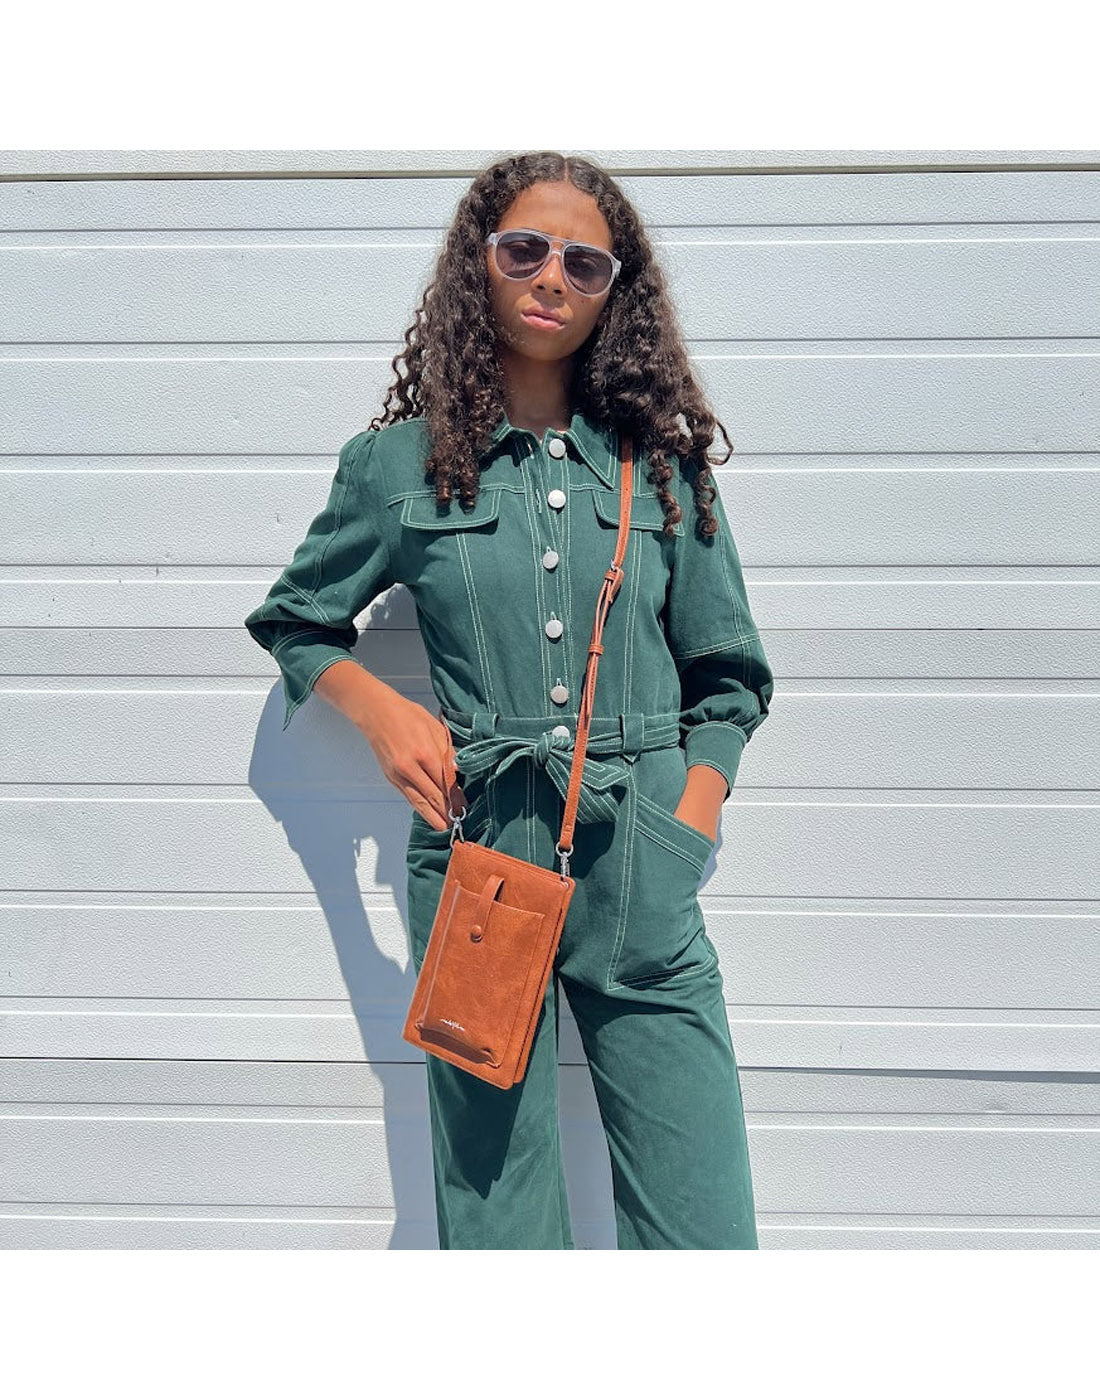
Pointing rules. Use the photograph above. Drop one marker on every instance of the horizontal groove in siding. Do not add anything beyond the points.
(421, 165)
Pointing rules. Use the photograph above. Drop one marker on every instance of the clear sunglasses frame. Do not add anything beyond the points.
(562, 245)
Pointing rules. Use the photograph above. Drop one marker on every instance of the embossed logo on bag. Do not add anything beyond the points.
(452, 1023)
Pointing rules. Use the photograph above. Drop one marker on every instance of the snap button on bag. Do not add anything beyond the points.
(488, 893)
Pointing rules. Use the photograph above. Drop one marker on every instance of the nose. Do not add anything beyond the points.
(554, 278)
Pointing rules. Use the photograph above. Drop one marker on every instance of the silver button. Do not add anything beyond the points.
(555, 627)
(560, 694)
(561, 730)
(556, 447)
(550, 559)
(556, 498)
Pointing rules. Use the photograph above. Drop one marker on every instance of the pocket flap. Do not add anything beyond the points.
(422, 513)
(646, 512)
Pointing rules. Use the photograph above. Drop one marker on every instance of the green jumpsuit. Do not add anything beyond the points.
(505, 597)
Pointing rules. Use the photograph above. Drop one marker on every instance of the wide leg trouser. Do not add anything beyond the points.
(643, 983)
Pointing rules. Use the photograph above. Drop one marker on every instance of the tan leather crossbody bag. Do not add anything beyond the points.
(499, 919)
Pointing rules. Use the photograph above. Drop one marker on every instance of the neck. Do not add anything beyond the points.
(537, 391)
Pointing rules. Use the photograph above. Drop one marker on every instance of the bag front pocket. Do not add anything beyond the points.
(427, 856)
(486, 957)
(661, 934)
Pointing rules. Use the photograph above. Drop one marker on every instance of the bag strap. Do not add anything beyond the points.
(612, 582)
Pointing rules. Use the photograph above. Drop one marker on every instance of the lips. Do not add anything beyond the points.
(544, 320)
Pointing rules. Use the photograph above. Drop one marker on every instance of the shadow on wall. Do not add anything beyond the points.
(319, 780)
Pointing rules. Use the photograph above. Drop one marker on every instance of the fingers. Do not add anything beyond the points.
(425, 773)
(428, 798)
(433, 788)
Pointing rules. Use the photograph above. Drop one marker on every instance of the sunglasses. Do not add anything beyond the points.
(522, 252)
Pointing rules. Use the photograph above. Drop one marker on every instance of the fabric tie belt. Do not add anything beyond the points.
(489, 742)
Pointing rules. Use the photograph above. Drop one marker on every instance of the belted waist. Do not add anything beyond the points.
(489, 742)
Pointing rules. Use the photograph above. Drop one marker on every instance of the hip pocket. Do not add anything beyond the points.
(661, 932)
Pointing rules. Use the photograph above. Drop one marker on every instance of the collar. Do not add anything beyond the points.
(596, 445)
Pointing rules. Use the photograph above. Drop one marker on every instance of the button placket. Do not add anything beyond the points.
(556, 498)
(534, 461)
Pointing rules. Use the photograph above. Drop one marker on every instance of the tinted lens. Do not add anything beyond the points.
(521, 254)
(588, 269)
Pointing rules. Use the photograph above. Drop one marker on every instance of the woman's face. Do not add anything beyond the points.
(559, 209)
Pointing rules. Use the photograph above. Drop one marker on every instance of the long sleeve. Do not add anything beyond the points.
(306, 621)
(726, 683)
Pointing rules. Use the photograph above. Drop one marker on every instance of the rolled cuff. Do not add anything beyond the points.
(718, 744)
(301, 661)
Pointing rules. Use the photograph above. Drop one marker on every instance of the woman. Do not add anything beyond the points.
(489, 487)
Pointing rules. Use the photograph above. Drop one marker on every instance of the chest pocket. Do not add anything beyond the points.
(646, 512)
(451, 555)
(649, 553)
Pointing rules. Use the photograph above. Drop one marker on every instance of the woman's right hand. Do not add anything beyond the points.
(416, 753)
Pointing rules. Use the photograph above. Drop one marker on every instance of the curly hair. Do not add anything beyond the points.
(632, 373)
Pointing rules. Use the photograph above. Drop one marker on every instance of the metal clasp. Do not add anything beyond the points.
(563, 856)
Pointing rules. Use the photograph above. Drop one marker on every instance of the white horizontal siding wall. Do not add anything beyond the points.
(202, 937)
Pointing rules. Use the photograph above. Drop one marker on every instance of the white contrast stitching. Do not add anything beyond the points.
(632, 610)
(725, 723)
(740, 641)
(631, 803)
(475, 613)
(299, 635)
(319, 564)
(329, 661)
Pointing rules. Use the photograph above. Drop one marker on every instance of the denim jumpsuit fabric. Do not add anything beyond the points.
(505, 596)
